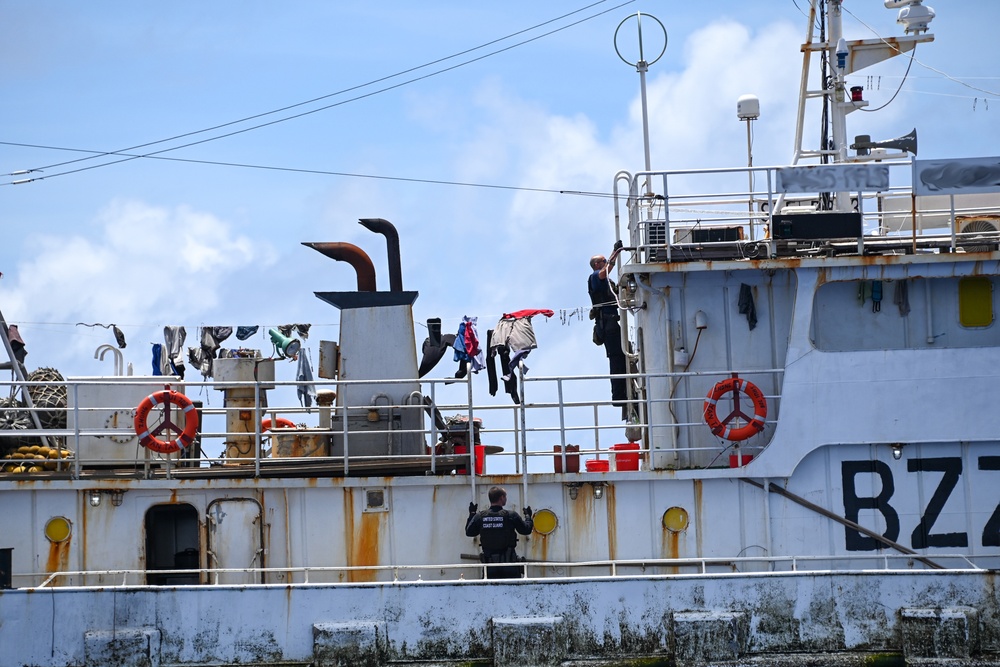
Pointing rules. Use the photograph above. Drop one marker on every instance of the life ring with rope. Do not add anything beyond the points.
(720, 427)
(147, 436)
(280, 422)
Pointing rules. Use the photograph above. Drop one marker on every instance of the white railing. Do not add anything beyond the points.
(694, 207)
(518, 438)
(459, 572)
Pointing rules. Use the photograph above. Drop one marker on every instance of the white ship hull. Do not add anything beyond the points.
(808, 463)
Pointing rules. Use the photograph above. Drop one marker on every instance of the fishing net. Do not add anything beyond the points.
(13, 418)
(49, 399)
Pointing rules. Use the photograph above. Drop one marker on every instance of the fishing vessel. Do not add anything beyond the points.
(802, 470)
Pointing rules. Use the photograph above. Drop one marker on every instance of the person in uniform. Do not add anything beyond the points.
(497, 529)
(607, 330)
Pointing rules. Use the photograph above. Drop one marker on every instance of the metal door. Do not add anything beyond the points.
(236, 540)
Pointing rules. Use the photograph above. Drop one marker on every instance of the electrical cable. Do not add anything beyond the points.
(321, 172)
(913, 59)
(322, 108)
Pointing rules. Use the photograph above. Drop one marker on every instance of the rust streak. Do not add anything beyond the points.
(609, 498)
(365, 546)
(697, 516)
(58, 560)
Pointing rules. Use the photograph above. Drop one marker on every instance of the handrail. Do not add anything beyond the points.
(616, 568)
(543, 418)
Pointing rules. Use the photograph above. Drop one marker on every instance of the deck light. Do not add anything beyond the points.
(574, 489)
(598, 490)
(95, 498)
(897, 450)
(117, 497)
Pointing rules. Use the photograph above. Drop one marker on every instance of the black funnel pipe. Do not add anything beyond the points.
(387, 229)
(355, 256)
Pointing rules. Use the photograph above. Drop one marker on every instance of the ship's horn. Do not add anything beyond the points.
(908, 142)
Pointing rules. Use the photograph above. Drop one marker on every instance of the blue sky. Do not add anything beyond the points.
(151, 242)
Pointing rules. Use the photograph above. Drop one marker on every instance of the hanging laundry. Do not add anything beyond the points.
(864, 291)
(304, 373)
(433, 353)
(747, 306)
(201, 360)
(16, 343)
(511, 340)
(245, 332)
(434, 331)
(466, 345)
(119, 336)
(901, 297)
(222, 333)
(301, 329)
(173, 363)
(157, 359)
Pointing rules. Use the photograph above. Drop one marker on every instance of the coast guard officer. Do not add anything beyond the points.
(497, 529)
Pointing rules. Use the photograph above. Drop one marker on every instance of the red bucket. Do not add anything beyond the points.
(480, 459)
(572, 460)
(597, 465)
(743, 460)
(628, 460)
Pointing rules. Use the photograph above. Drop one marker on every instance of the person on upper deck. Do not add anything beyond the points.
(497, 529)
(607, 330)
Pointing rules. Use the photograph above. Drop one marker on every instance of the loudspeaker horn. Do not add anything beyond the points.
(908, 142)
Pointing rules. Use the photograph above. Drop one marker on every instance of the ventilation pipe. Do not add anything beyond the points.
(353, 255)
(387, 229)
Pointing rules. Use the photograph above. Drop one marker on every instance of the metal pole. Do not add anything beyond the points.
(750, 173)
(642, 67)
(19, 374)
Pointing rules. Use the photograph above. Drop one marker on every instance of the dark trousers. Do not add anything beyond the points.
(501, 570)
(612, 334)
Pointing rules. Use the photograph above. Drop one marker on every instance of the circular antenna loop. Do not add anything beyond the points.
(642, 60)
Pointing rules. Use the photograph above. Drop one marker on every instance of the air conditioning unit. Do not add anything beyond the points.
(703, 234)
(978, 233)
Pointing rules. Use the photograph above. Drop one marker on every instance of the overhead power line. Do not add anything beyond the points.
(129, 156)
(321, 172)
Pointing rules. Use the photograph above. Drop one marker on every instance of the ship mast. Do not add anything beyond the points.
(841, 59)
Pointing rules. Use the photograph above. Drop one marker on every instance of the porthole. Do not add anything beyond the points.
(545, 521)
(675, 519)
(58, 529)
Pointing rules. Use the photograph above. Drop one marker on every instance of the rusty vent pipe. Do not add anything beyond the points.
(387, 229)
(353, 255)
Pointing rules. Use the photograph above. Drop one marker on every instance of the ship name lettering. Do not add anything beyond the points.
(922, 536)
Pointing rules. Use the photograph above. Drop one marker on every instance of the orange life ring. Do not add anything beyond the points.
(148, 437)
(280, 422)
(720, 427)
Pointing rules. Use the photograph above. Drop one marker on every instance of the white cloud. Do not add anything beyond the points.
(138, 264)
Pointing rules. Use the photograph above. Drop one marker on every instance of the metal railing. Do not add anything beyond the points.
(518, 438)
(461, 572)
(690, 209)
